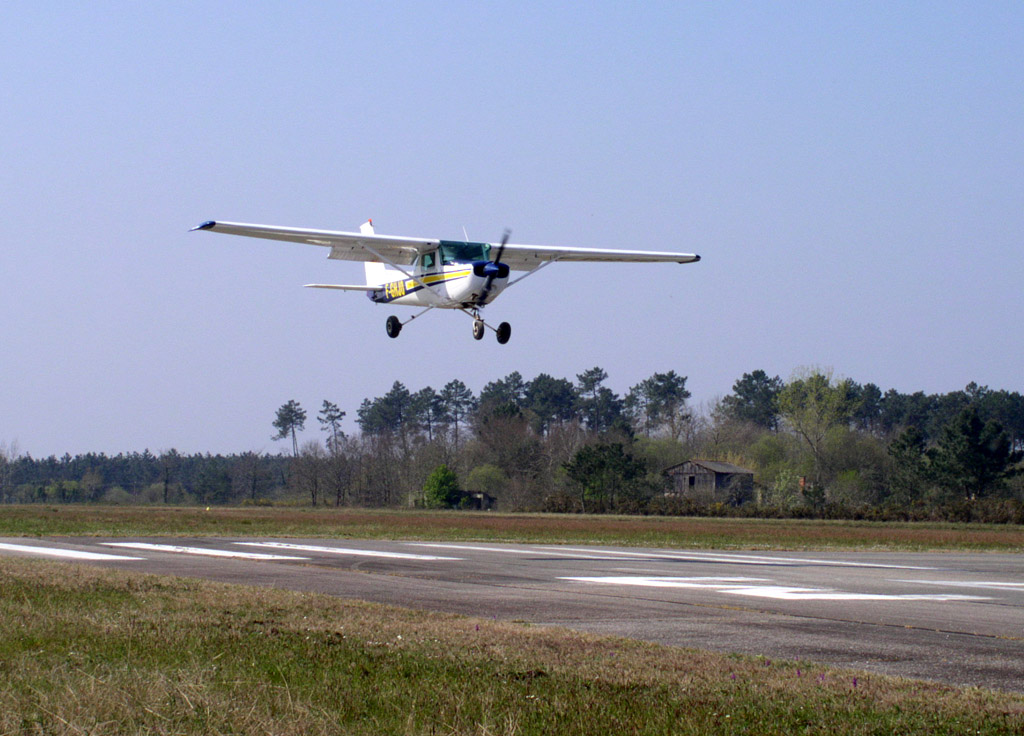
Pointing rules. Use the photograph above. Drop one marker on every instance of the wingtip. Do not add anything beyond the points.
(208, 225)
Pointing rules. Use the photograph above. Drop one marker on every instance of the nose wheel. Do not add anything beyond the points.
(478, 329)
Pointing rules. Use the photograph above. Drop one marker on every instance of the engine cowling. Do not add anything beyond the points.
(488, 268)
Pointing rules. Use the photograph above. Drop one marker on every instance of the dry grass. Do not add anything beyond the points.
(85, 650)
(537, 528)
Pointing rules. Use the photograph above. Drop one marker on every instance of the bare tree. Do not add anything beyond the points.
(311, 470)
(8, 454)
(250, 477)
(170, 462)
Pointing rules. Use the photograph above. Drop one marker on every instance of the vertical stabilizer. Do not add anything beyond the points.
(376, 273)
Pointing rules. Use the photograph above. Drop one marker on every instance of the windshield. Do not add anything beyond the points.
(455, 251)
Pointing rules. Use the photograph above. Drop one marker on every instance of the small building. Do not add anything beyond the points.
(480, 501)
(711, 481)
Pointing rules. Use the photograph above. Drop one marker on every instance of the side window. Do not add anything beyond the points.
(427, 261)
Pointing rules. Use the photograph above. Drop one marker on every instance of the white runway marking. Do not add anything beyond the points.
(968, 584)
(346, 551)
(517, 551)
(747, 586)
(69, 553)
(200, 551)
(742, 559)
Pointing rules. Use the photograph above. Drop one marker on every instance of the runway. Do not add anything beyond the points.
(950, 617)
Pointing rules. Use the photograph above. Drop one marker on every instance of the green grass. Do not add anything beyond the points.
(648, 531)
(86, 650)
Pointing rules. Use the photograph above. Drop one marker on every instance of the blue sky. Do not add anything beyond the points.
(850, 173)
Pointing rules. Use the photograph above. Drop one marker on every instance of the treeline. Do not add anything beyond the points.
(142, 477)
(819, 446)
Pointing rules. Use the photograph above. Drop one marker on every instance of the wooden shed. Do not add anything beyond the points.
(711, 481)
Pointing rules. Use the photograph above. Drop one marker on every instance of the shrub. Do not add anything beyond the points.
(441, 491)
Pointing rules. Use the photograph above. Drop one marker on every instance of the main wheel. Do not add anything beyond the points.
(504, 332)
(478, 329)
(393, 326)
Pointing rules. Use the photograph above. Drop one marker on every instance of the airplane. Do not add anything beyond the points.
(437, 274)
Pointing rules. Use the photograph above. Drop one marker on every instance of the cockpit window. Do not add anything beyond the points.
(459, 252)
(427, 261)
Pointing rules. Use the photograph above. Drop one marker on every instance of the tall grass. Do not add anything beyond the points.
(85, 650)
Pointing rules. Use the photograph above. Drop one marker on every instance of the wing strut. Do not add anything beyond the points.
(532, 271)
(418, 314)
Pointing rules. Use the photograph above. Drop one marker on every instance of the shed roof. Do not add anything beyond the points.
(714, 466)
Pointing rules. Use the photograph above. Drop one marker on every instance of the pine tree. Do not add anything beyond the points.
(291, 418)
(330, 417)
(973, 458)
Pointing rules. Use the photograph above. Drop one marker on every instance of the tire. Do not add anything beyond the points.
(504, 332)
(393, 326)
(478, 329)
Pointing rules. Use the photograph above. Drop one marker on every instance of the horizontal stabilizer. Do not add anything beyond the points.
(344, 287)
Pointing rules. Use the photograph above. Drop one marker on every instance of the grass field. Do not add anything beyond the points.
(648, 531)
(85, 650)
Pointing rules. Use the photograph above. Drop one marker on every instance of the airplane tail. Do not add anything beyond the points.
(376, 272)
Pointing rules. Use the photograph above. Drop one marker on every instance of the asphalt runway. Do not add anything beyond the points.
(954, 618)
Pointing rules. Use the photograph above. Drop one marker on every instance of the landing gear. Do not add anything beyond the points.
(504, 330)
(393, 326)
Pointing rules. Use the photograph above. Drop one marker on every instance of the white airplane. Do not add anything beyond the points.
(437, 274)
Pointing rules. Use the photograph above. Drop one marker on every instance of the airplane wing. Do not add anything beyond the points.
(365, 246)
(344, 246)
(528, 257)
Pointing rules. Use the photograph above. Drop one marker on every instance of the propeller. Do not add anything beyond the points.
(492, 269)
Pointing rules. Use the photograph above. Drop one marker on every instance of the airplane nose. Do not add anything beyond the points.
(490, 268)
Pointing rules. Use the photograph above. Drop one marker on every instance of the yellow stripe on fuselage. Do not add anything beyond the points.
(440, 278)
(401, 288)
